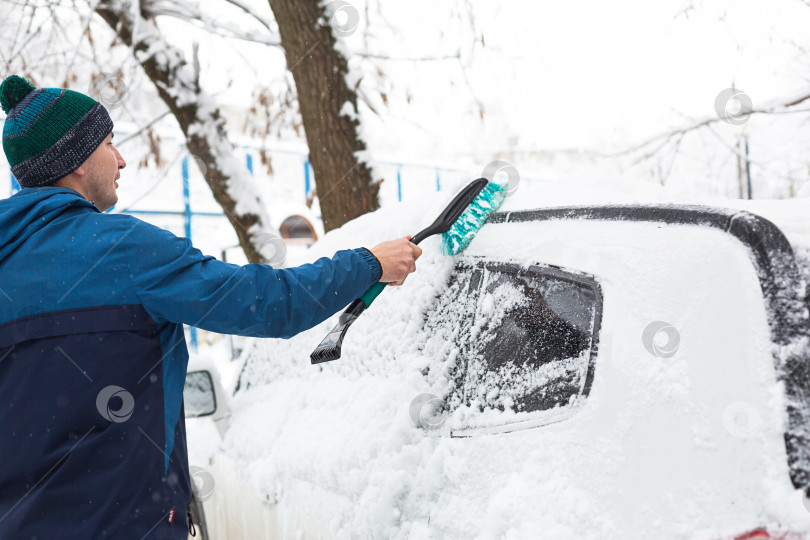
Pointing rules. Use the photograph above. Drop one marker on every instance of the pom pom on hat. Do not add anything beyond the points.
(13, 90)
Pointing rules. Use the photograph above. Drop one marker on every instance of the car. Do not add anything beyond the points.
(597, 371)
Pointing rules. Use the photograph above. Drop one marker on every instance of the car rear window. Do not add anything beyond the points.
(524, 338)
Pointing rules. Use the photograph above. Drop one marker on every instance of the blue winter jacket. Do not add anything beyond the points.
(93, 359)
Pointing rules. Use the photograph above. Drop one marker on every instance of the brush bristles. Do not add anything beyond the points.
(472, 219)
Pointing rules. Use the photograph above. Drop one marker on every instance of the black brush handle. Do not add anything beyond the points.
(329, 348)
(446, 219)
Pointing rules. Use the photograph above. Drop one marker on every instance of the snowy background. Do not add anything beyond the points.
(585, 98)
(564, 91)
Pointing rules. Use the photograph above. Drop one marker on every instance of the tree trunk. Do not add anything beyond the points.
(344, 184)
(202, 125)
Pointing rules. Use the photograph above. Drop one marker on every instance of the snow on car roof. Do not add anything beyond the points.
(792, 216)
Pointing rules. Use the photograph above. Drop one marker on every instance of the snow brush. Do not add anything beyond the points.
(479, 198)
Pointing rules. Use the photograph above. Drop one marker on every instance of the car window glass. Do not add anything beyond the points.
(520, 339)
(534, 347)
(198, 394)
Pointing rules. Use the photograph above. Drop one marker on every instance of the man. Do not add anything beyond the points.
(92, 352)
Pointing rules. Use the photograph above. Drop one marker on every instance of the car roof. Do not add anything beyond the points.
(792, 216)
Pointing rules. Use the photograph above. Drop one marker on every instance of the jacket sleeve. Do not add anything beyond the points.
(175, 282)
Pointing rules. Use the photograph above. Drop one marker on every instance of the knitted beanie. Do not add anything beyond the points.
(49, 132)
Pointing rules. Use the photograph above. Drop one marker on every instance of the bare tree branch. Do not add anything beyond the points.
(85, 27)
(31, 36)
(143, 128)
(264, 22)
(190, 13)
(456, 56)
(782, 106)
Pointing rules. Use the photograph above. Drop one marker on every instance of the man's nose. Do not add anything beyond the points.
(121, 162)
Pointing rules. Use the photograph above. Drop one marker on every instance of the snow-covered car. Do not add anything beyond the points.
(629, 371)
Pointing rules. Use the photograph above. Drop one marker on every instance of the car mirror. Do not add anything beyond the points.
(198, 394)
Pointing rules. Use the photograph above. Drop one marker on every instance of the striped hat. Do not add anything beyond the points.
(49, 132)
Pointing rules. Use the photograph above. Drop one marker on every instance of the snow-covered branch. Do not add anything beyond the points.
(200, 120)
(193, 14)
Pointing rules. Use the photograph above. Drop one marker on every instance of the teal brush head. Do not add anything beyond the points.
(467, 225)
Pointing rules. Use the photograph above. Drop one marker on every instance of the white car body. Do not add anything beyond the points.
(690, 437)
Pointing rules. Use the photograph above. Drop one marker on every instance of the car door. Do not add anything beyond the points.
(660, 349)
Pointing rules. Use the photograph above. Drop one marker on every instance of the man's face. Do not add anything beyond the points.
(103, 168)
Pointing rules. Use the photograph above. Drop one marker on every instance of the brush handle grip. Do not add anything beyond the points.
(372, 293)
(375, 290)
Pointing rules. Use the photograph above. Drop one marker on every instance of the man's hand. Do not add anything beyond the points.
(397, 258)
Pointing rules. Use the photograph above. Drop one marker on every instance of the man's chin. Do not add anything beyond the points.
(109, 203)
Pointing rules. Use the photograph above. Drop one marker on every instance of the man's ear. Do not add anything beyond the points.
(80, 171)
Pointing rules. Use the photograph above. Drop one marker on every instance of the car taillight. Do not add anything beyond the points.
(763, 533)
(758, 533)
